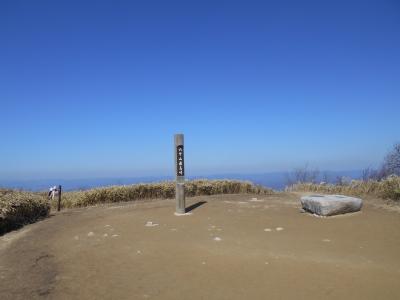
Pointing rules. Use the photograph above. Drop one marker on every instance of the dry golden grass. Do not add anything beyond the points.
(19, 208)
(388, 188)
(163, 190)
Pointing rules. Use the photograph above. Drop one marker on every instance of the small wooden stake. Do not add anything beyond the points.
(59, 198)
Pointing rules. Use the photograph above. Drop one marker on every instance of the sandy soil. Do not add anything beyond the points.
(231, 247)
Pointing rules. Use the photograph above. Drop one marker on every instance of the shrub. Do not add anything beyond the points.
(20, 208)
(391, 163)
(388, 188)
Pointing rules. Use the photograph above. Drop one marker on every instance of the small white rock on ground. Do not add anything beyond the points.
(330, 205)
(151, 224)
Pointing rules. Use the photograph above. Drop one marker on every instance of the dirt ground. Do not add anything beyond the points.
(230, 247)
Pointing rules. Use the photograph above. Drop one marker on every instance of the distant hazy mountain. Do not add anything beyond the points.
(276, 180)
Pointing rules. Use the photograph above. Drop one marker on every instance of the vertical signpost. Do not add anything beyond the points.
(180, 175)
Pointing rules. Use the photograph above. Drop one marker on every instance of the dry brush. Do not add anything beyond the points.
(388, 188)
(18, 208)
(162, 190)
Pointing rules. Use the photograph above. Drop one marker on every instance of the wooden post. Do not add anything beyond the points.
(180, 175)
(59, 198)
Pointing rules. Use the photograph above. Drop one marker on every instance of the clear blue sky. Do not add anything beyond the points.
(98, 88)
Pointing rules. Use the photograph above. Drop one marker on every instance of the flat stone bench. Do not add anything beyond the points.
(330, 205)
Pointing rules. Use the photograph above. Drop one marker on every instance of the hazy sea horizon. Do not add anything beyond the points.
(274, 180)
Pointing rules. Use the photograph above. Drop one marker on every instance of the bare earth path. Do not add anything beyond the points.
(232, 247)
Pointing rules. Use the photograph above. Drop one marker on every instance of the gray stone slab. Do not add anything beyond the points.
(329, 205)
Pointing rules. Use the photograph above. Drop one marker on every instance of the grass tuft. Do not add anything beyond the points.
(388, 188)
(18, 208)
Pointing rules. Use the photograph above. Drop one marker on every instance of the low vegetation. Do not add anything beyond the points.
(18, 208)
(388, 188)
(383, 182)
(162, 190)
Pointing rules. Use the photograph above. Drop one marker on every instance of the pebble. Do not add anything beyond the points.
(217, 239)
(279, 228)
(268, 229)
(90, 233)
(151, 224)
(256, 200)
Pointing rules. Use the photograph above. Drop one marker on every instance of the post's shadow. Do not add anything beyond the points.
(194, 206)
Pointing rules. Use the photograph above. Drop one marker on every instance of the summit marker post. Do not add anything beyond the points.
(180, 175)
